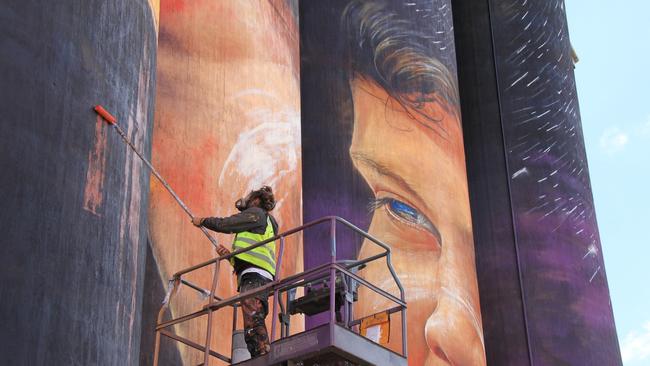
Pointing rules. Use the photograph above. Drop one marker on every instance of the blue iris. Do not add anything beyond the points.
(403, 210)
(406, 213)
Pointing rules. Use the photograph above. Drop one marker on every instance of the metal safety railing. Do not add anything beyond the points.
(325, 274)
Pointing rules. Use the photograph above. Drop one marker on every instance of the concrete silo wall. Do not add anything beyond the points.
(73, 197)
(544, 294)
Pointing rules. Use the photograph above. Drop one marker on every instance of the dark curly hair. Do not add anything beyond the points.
(267, 199)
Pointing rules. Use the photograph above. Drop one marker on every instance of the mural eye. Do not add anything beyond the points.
(403, 211)
(407, 214)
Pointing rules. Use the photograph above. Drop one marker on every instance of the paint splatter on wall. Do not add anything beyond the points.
(93, 191)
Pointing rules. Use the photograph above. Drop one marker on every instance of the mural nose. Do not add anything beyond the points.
(453, 332)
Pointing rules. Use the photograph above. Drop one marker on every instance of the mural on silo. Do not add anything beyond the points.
(568, 314)
(227, 122)
(383, 147)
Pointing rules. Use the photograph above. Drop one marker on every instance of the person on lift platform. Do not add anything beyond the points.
(254, 268)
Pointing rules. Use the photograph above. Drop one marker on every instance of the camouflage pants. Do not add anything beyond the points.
(255, 310)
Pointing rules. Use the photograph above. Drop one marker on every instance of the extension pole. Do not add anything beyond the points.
(111, 120)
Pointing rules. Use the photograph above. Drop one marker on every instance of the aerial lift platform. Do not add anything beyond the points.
(330, 287)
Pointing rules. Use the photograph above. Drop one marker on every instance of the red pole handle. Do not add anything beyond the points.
(105, 115)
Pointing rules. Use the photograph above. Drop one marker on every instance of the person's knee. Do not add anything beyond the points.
(259, 317)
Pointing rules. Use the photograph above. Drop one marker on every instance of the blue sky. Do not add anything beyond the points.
(612, 40)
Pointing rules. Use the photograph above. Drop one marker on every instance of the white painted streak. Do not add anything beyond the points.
(266, 153)
(594, 275)
(591, 251)
(519, 172)
(518, 80)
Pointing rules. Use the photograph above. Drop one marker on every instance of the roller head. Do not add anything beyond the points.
(105, 115)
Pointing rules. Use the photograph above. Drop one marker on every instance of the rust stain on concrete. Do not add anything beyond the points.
(93, 191)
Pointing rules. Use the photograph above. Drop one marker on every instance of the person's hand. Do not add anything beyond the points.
(197, 221)
(221, 250)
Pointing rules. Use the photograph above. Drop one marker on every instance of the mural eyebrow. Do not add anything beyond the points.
(385, 171)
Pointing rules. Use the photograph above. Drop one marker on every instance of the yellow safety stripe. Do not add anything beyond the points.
(253, 242)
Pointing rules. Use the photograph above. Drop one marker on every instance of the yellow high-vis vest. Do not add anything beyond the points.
(262, 256)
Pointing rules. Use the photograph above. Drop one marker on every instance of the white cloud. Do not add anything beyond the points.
(636, 345)
(613, 140)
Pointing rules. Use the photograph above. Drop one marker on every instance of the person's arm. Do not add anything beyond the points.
(248, 220)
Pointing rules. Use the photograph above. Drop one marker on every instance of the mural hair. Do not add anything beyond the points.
(391, 51)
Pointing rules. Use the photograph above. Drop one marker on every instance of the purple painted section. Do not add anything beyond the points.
(331, 185)
(565, 295)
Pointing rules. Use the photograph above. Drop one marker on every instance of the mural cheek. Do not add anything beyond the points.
(227, 122)
(414, 263)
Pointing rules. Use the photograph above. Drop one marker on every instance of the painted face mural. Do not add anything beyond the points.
(407, 147)
(421, 209)
(407, 144)
(227, 121)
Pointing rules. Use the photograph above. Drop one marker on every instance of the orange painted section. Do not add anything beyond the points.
(169, 6)
(154, 6)
(93, 190)
(227, 120)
